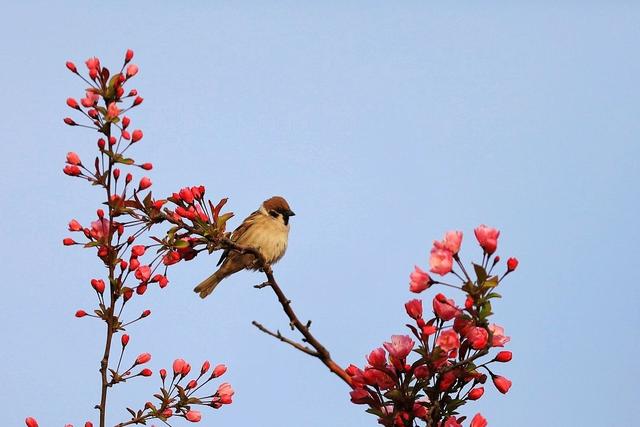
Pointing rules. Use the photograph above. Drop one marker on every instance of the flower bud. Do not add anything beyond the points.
(128, 56)
(145, 183)
(98, 285)
(504, 356)
(72, 170)
(502, 384)
(476, 393)
(146, 372)
(178, 364)
(143, 358)
(124, 340)
(414, 308)
(193, 416)
(88, 424)
(145, 313)
(73, 103)
(112, 140)
(81, 313)
(31, 422)
(126, 135)
(132, 70)
(136, 136)
(138, 250)
(192, 384)
(125, 122)
(185, 370)
(205, 367)
(72, 67)
(163, 373)
(128, 178)
(147, 166)
(69, 121)
(101, 143)
(138, 101)
(219, 370)
(512, 264)
(74, 225)
(68, 241)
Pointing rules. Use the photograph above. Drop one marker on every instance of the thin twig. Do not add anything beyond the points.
(282, 338)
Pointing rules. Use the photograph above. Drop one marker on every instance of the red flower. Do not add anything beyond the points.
(112, 111)
(187, 195)
(93, 63)
(73, 158)
(219, 370)
(512, 264)
(138, 250)
(377, 358)
(144, 183)
(476, 393)
(400, 346)
(143, 273)
(421, 372)
(74, 225)
(72, 67)
(445, 308)
(498, 338)
(360, 396)
(478, 421)
(451, 422)
(193, 416)
(143, 358)
(502, 384)
(136, 135)
(414, 308)
(478, 337)
(99, 229)
(448, 340)
(441, 261)
(98, 285)
(504, 356)
(419, 280)
(488, 238)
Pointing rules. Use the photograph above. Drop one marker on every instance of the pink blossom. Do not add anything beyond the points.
(219, 370)
(143, 273)
(488, 238)
(441, 261)
(360, 396)
(478, 421)
(178, 364)
(132, 70)
(145, 183)
(414, 308)
(400, 346)
(225, 393)
(452, 241)
(112, 111)
(478, 337)
(451, 422)
(502, 384)
(90, 99)
(419, 280)
(93, 63)
(99, 229)
(377, 358)
(498, 339)
(448, 340)
(445, 308)
(143, 358)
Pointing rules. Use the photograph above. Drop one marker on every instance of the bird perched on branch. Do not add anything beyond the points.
(266, 230)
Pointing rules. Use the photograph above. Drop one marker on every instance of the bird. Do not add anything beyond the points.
(266, 230)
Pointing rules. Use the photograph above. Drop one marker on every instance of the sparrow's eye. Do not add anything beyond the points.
(274, 213)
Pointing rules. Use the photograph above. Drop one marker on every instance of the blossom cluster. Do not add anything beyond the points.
(451, 345)
(119, 235)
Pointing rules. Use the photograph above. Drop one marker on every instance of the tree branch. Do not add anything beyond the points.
(282, 338)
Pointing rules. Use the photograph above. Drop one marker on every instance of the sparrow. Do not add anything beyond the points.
(266, 230)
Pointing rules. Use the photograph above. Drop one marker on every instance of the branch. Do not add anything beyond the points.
(320, 351)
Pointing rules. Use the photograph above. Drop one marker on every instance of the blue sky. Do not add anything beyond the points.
(384, 125)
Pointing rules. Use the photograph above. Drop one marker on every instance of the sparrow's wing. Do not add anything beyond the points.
(238, 232)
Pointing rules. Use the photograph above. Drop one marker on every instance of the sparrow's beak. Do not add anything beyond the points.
(291, 213)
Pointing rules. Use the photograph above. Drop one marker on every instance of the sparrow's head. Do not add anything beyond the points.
(278, 207)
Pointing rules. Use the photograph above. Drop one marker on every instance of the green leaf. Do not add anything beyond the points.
(481, 274)
(485, 310)
(491, 282)
(494, 295)
(180, 244)
(393, 395)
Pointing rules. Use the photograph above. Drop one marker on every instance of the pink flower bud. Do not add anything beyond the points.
(112, 140)
(419, 280)
(31, 422)
(192, 384)
(219, 370)
(138, 250)
(504, 356)
(163, 373)
(185, 370)
(124, 340)
(205, 367)
(101, 143)
(128, 56)
(112, 111)
(125, 122)
(512, 264)
(476, 393)
(100, 213)
(478, 421)
(193, 416)
(73, 103)
(144, 183)
(69, 121)
(487, 237)
(145, 313)
(136, 136)
(81, 313)
(143, 358)
(72, 67)
(132, 70)
(133, 92)
(88, 424)
(414, 308)
(74, 225)
(178, 364)
(68, 241)
(146, 372)
(98, 285)
(502, 384)
(147, 166)
(128, 178)
(73, 158)
(138, 101)
(125, 135)
(141, 289)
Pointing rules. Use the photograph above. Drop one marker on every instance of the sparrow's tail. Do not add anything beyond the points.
(208, 285)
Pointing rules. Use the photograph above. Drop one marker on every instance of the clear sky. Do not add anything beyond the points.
(384, 124)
